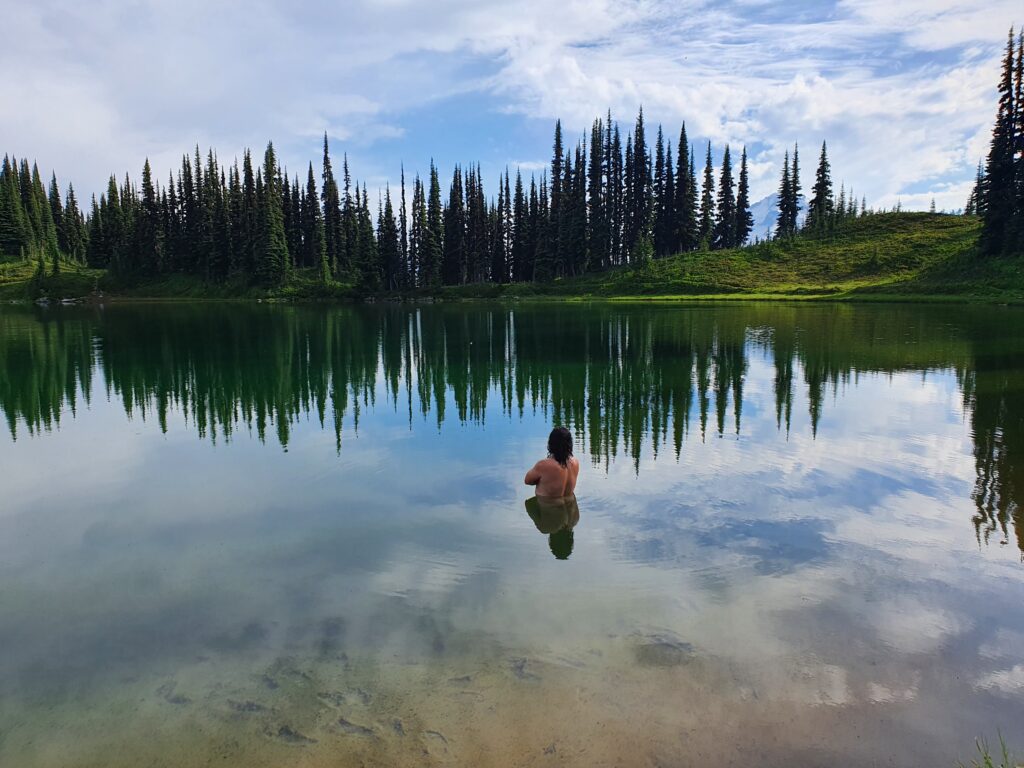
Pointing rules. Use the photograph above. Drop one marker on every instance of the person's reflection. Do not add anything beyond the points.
(555, 517)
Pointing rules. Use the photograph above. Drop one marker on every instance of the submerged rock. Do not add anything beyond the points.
(663, 652)
(354, 729)
(289, 735)
(167, 692)
(246, 706)
(519, 670)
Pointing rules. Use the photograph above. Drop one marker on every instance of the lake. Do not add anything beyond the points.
(255, 535)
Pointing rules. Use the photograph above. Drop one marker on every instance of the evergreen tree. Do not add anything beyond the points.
(453, 269)
(616, 196)
(389, 246)
(331, 199)
(536, 216)
(795, 188)
(272, 254)
(707, 204)
(667, 206)
(404, 235)
(822, 205)
(789, 196)
(744, 220)
(433, 244)
(314, 236)
(417, 234)
(686, 234)
(149, 236)
(555, 205)
(14, 233)
(74, 228)
(975, 205)
(597, 200)
(520, 232)
(347, 258)
(499, 226)
(57, 214)
(543, 258)
(782, 224)
(724, 235)
(638, 187)
(366, 259)
(662, 199)
(999, 201)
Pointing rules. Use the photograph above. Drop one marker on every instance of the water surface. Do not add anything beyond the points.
(266, 535)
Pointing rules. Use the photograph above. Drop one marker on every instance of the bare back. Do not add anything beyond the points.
(552, 479)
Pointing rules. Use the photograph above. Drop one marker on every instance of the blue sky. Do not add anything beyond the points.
(903, 92)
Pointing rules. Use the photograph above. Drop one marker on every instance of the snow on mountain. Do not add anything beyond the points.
(765, 213)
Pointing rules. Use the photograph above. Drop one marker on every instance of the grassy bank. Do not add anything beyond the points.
(899, 256)
(904, 256)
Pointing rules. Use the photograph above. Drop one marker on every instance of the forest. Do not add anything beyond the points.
(605, 202)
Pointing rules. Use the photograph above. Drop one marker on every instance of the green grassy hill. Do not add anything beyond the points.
(901, 256)
(898, 255)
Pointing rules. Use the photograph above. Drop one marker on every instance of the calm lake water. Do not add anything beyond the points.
(274, 536)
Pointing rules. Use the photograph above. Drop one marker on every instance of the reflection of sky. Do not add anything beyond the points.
(838, 569)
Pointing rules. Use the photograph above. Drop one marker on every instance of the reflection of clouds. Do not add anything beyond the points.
(881, 694)
(1004, 681)
(906, 625)
(1003, 644)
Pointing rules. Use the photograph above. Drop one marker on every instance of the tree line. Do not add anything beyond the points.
(998, 193)
(603, 202)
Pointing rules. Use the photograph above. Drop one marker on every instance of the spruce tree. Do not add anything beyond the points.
(639, 205)
(272, 254)
(555, 198)
(314, 237)
(417, 234)
(597, 197)
(999, 200)
(403, 230)
(434, 240)
(347, 258)
(367, 257)
(783, 227)
(388, 245)
(707, 204)
(14, 235)
(724, 235)
(795, 188)
(517, 232)
(974, 204)
(331, 199)
(74, 228)
(822, 205)
(149, 241)
(57, 214)
(616, 193)
(744, 221)
(453, 268)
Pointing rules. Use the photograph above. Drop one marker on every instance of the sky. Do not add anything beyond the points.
(903, 92)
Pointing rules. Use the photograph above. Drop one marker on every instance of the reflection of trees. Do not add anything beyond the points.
(626, 379)
(993, 391)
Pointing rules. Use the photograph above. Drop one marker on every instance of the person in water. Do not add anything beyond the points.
(555, 476)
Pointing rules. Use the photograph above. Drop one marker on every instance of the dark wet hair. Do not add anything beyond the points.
(560, 444)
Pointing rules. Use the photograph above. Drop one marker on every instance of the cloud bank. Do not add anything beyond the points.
(903, 92)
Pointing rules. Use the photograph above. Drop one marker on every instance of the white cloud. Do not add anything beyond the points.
(902, 91)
